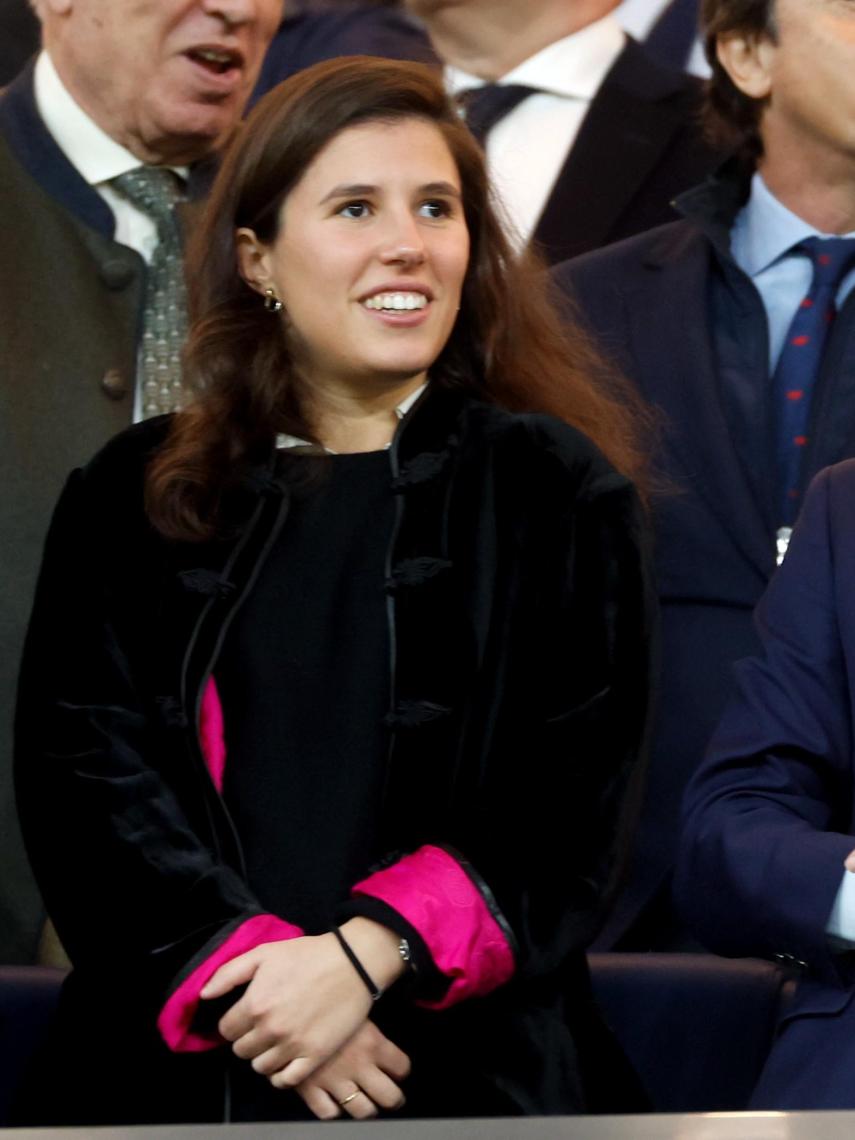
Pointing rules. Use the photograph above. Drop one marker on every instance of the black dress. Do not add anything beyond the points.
(304, 683)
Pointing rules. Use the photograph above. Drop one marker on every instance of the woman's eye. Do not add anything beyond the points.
(434, 209)
(354, 210)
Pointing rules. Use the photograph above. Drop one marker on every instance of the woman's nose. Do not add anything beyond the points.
(403, 254)
(404, 244)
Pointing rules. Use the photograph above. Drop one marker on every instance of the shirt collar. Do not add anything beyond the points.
(765, 230)
(95, 155)
(284, 441)
(573, 67)
(88, 148)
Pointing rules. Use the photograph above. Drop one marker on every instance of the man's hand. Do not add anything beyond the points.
(362, 1077)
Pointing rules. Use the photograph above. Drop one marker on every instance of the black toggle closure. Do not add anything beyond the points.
(171, 713)
(387, 860)
(421, 469)
(260, 483)
(411, 714)
(207, 582)
(415, 572)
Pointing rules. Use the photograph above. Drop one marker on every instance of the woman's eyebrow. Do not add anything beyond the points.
(364, 189)
(352, 191)
(445, 188)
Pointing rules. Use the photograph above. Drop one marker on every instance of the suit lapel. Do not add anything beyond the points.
(682, 355)
(628, 126)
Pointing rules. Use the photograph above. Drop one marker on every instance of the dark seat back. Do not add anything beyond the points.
(697, 1028)
(28, 998)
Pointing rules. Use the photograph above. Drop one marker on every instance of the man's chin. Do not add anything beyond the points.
(186, 138)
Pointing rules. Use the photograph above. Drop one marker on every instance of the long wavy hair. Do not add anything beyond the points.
(508, 344)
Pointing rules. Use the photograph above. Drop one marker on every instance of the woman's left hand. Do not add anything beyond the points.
(304, 999)
(364, 1076)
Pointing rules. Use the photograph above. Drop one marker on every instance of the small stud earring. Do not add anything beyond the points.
(272, 304)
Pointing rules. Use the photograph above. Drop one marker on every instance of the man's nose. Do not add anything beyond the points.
(233, 13)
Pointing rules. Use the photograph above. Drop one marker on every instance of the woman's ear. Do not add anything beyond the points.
(252, 260)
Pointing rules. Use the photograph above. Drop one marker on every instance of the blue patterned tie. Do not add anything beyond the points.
(800, 362)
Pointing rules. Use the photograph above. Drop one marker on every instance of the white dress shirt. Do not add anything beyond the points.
(528, 147)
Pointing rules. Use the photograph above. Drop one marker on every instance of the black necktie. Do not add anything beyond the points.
(484, 106)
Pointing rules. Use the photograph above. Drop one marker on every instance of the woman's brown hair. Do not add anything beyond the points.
(508, 344)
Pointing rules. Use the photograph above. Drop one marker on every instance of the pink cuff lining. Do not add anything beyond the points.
(177, 1015)
(212, 736)
(435, 895)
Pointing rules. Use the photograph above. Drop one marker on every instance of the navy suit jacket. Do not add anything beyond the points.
(770, 816)
(648, 302)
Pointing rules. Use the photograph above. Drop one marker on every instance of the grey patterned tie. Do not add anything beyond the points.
(156, 191)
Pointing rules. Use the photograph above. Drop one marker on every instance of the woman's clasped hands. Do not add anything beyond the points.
(303, 1019)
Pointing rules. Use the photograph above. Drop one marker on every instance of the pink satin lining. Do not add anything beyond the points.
(177, 1015)
(212, 735)
(434, 894)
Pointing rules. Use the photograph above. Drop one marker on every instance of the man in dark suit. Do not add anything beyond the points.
(702, 316)
(587, 139)
(122, 88)
(767, 866)
(312, 32)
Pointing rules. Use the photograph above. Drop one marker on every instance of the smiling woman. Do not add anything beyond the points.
(336, 681)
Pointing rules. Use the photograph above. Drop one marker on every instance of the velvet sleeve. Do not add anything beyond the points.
(768, 816)
(517, 879)
(113, 812)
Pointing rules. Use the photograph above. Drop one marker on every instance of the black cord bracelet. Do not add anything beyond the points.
(376, 993)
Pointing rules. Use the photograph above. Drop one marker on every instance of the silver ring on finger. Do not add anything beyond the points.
(348, 1099)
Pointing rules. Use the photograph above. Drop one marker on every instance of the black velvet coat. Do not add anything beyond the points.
(519, 632)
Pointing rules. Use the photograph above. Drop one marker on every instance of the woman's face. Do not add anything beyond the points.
(370, 256)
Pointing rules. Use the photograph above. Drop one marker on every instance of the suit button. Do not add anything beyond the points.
(116, 274)
(114, 384)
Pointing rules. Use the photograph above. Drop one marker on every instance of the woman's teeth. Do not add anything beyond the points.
(396, 301)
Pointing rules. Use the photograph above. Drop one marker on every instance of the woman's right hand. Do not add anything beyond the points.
(370, 1066)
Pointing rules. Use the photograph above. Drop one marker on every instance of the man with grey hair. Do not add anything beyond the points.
(587, 139)
(101, 141)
